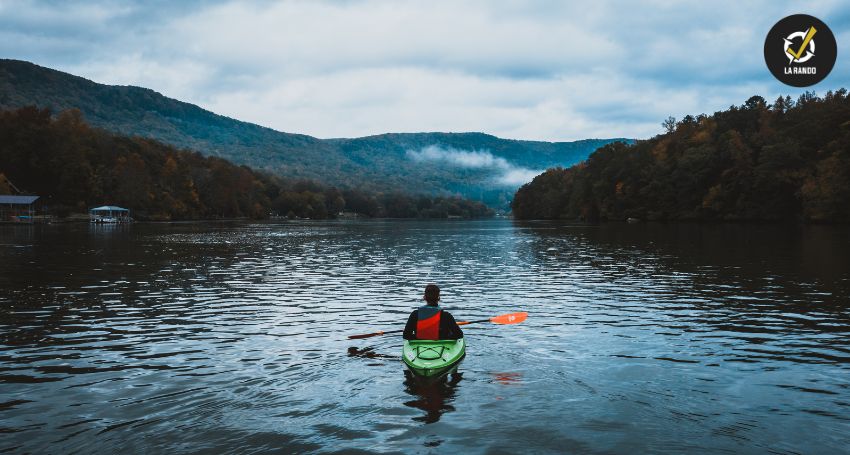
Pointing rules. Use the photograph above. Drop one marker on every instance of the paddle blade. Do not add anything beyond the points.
(366, 335)
(512, 318)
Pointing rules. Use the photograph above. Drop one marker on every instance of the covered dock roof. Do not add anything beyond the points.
(109, 208)
(17, 200)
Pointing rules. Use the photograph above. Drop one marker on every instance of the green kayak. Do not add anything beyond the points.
(432, 357)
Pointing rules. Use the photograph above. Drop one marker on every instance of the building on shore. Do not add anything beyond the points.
(109, 214)
(17, 209)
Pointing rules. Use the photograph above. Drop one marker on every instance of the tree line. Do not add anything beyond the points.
(74, 167)
(786, 161)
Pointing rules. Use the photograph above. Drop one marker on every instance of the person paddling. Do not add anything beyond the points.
(430, 322)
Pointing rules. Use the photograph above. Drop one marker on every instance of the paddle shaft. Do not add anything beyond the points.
(471, 322)
(370, 335)
(510, 318)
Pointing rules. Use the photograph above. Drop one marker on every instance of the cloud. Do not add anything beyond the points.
(525, 70)
(504, 173)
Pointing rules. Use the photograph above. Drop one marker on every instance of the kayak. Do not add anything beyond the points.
(431, 358)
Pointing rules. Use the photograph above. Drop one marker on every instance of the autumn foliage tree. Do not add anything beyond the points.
(786, 161)
(75, 167)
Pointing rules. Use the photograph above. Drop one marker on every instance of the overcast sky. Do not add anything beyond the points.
(547, 70)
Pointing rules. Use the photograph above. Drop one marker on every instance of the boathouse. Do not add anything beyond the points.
(17, 209)
(109, 214)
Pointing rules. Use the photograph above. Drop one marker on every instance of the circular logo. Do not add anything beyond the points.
(800, 50)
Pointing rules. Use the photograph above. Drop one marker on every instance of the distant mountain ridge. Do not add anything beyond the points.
(474, 165)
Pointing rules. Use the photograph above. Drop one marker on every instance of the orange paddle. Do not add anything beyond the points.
(510, 318)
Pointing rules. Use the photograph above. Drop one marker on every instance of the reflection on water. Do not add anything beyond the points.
(369, 353)
(232, 337)
(508, 378)
(432, 395)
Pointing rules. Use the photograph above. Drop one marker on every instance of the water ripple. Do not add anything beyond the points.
(232, 337)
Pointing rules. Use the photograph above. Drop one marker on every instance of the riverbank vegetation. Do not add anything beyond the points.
(786, 161)
(73, 167)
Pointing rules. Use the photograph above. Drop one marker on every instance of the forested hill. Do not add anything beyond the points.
(472, 164)
(73, 167)
(786, 161)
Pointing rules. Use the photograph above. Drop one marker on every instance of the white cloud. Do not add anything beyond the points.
(546, 71)
(176, 77)
(518, 177)
(504, 173)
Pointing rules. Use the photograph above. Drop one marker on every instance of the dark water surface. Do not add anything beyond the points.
(218, 337)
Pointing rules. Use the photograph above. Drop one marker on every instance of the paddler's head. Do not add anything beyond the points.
(432, 294)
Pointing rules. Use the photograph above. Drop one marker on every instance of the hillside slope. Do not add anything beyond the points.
(73, 167)
(787, 161)
(471, 164)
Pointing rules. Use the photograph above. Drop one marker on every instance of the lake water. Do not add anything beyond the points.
(231, 337)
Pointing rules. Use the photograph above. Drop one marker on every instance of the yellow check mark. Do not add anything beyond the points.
(809, 35)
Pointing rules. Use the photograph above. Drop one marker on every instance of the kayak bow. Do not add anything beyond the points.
(431, 358)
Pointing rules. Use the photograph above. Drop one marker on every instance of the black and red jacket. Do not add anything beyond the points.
(431, 323)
